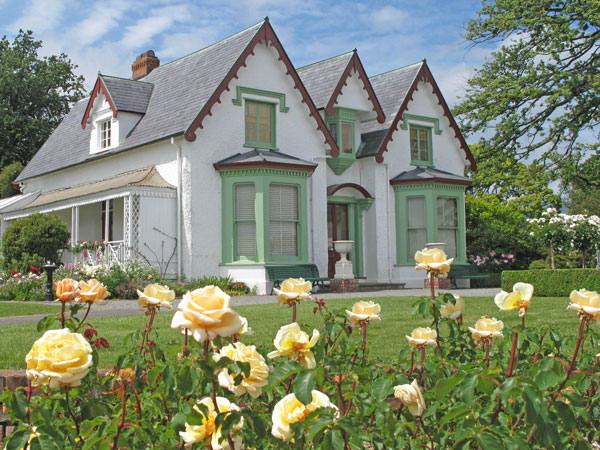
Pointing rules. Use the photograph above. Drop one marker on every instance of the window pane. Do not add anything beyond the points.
(284, 238)
(265, 123)
(244, 201)
(246, 238)
(245, 225)
(283, 220)
(251, 121)
(283, 202)
(347, 130)
(333, 129)
(447, 212)
(416, 212)
(417, 239)
(448, 236)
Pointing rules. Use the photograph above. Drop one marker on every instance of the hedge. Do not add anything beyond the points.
(553, 283)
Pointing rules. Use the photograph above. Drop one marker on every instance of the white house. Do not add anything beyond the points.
(231, 159)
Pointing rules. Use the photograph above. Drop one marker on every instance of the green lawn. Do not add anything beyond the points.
(386, 337)
(10, 309)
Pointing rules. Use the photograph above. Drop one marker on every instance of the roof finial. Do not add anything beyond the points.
(266, 18)
(354, 50)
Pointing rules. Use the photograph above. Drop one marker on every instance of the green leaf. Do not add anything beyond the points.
(257, 423)
(456, 412)
(382, 388)
(506, 388)
(445, 385)
(178, 422)
(318, 426)
(468, 386)
(490, 441)
(565, 413)
(44, 442)
(532, 404)
(17, 439)
(45, 323)
(186, 381)
(304, 385)
(18, 404)
(337, 442)
(283, 371)
(547, 379)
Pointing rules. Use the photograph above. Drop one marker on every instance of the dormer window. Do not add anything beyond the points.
(105, 134)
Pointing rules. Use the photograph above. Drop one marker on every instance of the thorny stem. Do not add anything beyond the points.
(537, 355)
(437, 330)
(487, 353)
(29, 397)
(122, 421)
(412, 361)
(62, 314)
(342, 406)
(523, 322)
(137, 402)
(71, 413)
(512, 354)
(432, 284)
(148, 328)
(185, 342)
(84, 317)
(425, 431)
(422, 356)
(294, 312)
(364, 337)
(579, 338)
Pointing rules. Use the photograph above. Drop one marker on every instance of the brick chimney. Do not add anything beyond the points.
(144, 64)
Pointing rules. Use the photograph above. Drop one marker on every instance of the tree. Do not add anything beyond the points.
(35, 95)
(581, 180)
(539, 94)
(7, 177)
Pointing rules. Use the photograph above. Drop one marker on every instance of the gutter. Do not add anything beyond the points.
(179, 208)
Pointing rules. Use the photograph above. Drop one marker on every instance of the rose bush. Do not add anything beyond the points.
(493, 388)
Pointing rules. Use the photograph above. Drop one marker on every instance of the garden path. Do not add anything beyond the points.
(130, 307)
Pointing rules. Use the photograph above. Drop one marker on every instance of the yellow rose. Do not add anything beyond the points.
(586, 303)
(292, 342)
(454, 312)
(420, 337)
(433, 260)
(245, 330)
(66, 289)
(259, 371)
(519, 298)
(208, 433)
(92, 291)
(155, 296)
(59, 358)
(486, 328)
(364, 312)
(291, 410)
(293, 290)
(410, 395)
(206, 313)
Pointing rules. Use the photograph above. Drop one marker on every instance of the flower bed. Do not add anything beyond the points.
(483, 386)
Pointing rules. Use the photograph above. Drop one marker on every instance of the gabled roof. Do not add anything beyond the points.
(325, 81)
(400, 85)
(264, 158)
(121, 94)
(429, 175)
(184, 91)
(370, 143)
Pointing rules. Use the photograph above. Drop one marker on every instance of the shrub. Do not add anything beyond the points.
(8, 174)
(32, 240)
(127, 290)
(553, 283)
(17, 286)
(224, 283)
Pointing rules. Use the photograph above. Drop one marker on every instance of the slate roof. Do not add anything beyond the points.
(181, 88)
(321, 78)
(370, 143)
(424, 174)
(128, 95)
(391, 89)
(264, 156)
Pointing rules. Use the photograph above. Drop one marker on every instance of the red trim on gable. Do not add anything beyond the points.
(99, 85)
(355, 64)
(432, 180)
(268, 164)
(265, 33)
(358, 187)
(425, 76)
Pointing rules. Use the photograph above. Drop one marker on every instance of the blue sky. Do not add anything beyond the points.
(107, 36)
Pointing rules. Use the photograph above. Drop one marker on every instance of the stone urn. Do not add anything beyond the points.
(343, 268)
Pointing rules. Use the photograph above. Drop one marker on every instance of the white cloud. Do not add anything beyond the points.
(102, 18)
(142, 32)
(388, 17)
(40, 15)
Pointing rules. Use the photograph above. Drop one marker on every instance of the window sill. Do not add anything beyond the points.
(260, 146)
(422, 163)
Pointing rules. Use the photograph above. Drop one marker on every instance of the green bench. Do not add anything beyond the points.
(309, 272)
(465, 272)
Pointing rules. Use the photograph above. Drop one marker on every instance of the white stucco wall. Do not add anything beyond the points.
(157, 232)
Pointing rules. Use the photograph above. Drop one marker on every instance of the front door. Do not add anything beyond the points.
(337, 230)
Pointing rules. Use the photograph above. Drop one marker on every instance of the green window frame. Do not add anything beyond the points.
(437, 225)
(259, 122)
(244, 221)
(268, 221)
(420, 145)
(341, 125)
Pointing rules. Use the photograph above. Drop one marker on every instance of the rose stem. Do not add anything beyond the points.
(364, 336)
(137, 402)
(512, 354)
(71, 413)
(425, 431)
(148, 328)
(432, 283)
(29, 396)
(579, 337)
(294, 312)
(487, 353)
(412, 361)
(437, 330)
(122, 421)
(185, 342)
(364, 346)
(85, 316)
(523, 323)
(338, 382)
(62, 315)
(422, 356)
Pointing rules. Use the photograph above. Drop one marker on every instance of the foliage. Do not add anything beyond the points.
(496, 227)
(8, 174)
(32, 240)
(224, 283)
(30, 286)
(559, 282)
(524, 395)
(539, 92)
(35, 95)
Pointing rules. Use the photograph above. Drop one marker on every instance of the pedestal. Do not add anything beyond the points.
(343, 285)
(443, 283)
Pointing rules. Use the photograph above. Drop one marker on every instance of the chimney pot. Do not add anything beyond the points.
(144, 64)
